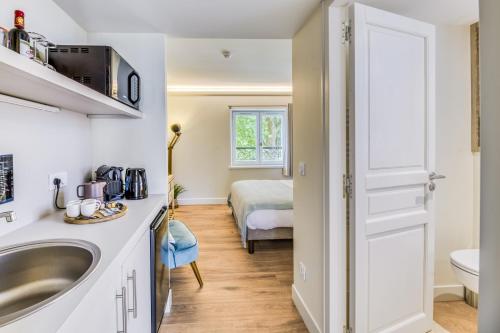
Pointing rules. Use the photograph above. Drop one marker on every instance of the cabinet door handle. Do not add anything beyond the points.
(123, 298)
(133, 278)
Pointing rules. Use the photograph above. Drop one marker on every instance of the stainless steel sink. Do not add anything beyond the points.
(33, 275)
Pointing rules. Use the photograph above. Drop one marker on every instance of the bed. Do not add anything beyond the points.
(262, 209)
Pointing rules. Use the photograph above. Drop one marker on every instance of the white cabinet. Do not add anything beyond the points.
(136, 281)
(100, 309)
(120, 302)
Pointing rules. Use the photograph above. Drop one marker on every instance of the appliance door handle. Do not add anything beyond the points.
(123, 298)
(138, 92)
(133, 278)
(155, 225)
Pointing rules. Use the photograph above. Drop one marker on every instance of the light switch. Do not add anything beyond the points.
(302, 168)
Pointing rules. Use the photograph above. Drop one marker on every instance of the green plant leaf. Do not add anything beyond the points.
(178, 190)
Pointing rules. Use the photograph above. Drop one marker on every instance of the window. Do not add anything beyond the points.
(258, 137)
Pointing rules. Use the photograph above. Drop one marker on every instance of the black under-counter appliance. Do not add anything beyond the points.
(100, 68)
(160, 274)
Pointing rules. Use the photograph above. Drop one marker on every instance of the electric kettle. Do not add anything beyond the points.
(136, 184)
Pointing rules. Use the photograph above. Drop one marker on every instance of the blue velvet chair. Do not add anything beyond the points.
(183, 251)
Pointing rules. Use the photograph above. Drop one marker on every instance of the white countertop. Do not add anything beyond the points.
(113, 238)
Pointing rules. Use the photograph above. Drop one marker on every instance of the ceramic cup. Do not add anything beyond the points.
(89, 207)
(73, 208)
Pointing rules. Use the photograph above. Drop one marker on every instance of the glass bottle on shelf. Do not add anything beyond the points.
(19, 39)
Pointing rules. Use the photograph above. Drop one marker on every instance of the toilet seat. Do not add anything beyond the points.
(465, 264)
(466, 260)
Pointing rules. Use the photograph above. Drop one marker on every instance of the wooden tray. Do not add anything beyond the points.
(98, 216)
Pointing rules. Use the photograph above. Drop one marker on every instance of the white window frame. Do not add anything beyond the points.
(259, 112)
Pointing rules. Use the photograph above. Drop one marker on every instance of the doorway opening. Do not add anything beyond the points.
(231, 99)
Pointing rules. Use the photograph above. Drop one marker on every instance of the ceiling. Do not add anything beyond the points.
(257, 32)
(253, 62)
(432, 11)
(193, 18)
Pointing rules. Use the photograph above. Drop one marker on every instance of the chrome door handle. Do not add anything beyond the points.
(133, 278)
(123, 298)
(434, 176)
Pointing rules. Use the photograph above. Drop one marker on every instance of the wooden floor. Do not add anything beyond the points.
(242, 292)
(456, 317)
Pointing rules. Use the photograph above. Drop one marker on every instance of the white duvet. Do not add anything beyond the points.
(262, 219)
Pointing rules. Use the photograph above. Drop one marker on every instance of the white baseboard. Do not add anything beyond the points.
(202, 201)
(450, 292)
(306, 315)
(168, 306)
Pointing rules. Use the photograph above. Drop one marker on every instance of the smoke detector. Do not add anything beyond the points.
(226, 53)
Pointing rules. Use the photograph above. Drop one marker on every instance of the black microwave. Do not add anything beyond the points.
(100, 68)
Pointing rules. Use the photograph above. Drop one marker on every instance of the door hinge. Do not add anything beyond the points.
(347, 181)
(346, 32)
(348, 329)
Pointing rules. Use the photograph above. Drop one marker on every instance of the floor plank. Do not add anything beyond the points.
(456, 316)
(242, 292)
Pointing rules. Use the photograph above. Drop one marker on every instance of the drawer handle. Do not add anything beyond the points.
(133, 278)
(123, 298)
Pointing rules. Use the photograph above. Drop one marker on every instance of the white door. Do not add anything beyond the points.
(392, 156)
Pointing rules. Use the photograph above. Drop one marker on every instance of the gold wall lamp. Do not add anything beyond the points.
(176, 128)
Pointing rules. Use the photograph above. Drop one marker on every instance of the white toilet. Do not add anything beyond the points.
(465, 264)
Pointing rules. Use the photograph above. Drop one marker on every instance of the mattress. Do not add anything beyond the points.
(267, 219)
(262, 204)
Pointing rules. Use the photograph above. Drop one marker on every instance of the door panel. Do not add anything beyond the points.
(392, 104)
(396, 127)
(137, 280)
(396, 277)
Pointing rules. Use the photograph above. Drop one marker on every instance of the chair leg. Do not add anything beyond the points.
(197, 273)
(251, 246)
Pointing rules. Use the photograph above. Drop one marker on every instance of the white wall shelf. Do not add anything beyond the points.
(23, 78)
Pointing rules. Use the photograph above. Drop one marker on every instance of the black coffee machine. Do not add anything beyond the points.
(136, 184)
(114, 183)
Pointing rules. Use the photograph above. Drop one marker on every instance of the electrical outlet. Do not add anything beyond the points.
(302, 270)
(63, 176)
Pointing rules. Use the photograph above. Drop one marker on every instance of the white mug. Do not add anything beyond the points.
(89, 207)
(73, 208)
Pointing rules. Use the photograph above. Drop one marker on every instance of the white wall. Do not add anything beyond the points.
(45, 17)
(133, 142)
(477, 201)
(489, 288)
(42, 142)
(202, 157)
(309, 147)
(455, 196)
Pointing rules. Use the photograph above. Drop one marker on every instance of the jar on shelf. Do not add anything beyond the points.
(4, 37)
(40, 48)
